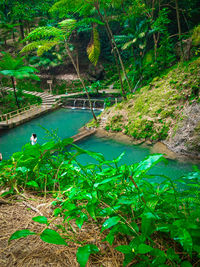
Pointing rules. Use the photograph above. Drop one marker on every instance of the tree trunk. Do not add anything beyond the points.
(13, 36)
(118, 53)
(179, 29)
(81, 80)
(178, 19)
(112, 42)
(15, 94)
(21, 29)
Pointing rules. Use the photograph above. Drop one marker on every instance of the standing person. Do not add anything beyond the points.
(33, 139)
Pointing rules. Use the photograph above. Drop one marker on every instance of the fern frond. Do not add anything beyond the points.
(88, 21)
(93, 49)
(126, 45)
(32, 46)
(44, 33)
(46, 47)
(123, 38)
(64, 7)
(41, 46)
(68, 25)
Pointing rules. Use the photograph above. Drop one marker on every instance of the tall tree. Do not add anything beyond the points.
(45, 38)
(15, 69)
(87, 9)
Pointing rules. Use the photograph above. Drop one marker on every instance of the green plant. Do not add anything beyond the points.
(152, 217)
(15, 69)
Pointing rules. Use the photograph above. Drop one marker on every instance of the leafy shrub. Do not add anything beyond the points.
(152, 217)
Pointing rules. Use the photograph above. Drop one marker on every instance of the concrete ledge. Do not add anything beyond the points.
(23, 118)
(83, 134)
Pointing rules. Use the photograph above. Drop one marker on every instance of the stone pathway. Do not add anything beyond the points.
(48, 100)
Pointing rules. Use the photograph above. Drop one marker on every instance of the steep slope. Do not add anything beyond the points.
(167, 109)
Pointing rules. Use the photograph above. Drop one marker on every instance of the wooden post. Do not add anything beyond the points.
(50, 85)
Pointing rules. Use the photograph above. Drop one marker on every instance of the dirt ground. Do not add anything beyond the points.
(31, 251)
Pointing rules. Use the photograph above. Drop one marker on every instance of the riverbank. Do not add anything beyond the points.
(167, 110)
(156, 147)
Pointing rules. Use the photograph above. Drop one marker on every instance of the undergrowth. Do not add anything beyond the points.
(157, 222)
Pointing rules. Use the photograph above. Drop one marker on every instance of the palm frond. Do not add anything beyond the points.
(93, 49)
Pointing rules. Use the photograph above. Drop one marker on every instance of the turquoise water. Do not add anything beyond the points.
(133, 153)
(66, 123)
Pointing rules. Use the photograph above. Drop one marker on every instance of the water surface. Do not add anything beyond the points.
(133, 153)
(66, 123)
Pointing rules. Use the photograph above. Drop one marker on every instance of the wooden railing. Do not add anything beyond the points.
(78, 90)
(18, 112)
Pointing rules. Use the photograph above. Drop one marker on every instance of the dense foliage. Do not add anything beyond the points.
(134, 41)
(159, 220)
(141, 38)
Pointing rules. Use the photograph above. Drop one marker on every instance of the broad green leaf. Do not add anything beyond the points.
(98, 156)
(171, 255)
(91, 211)
(124, 249)
(56, 212)
(67, 141)
(107, 180)
(40, 219)
(186, 264)
(143, 249)
(128, 258)
(148, 225)
(83, 253)
(48, 145)
(33, 184)
(145, 165)
(197, 249)
(22, 169)
(20, 234)
(110, 222)
(126, 200)
(184, 237)
(52, 237)
(80, 220)
(110, 238)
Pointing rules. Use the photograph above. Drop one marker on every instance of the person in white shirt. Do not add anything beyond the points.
(33, 139)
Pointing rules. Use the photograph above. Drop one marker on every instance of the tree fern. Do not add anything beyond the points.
(46, 47)
(32, 46)
(44, 33)
(93, 49)
(68, 25)
(63, 7)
